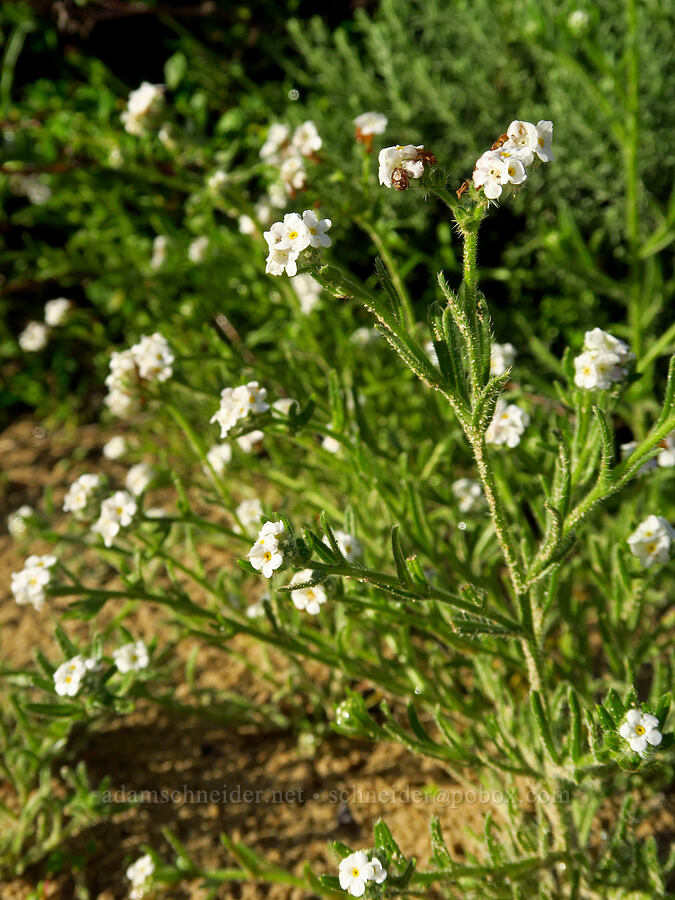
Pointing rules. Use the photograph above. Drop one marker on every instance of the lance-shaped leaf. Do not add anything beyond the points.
(395, 301)
(669, 398)
(544, 726)
(484, 406)
(399, 558)
(607, 444)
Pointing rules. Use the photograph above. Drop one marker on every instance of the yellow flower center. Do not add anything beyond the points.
(651, 548)
(355, 872)
(268, 556)
(292, 235)
(541, 142)
(639, 729)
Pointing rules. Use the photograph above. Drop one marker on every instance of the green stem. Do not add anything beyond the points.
(388, 260)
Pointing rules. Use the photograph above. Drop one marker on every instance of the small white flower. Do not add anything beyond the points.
(284, 405)
(116, 512)
(577, 21)
(198, 249)
(56, 311)
(508, 424)
(594, 370)
(82, 493)
(139, 477)
(469, 494)
(293, 173)
(316, 229)
(251, 441)
(247, 225)
(249, 513)
(651, 541)
(640, 729)
(309, 599)
(29, 186)
(265, 555)
(282, 258)
(349, 546)
(370, 123)
(277, 136)
(306, 138)
(601, 341)
(356, 870)
(69, 675)
(29, 585)
(115, 448)
(131, 657)
(544, 139)
(237, 403)
(143, 106)
(502, 357)
(139, 874)
(523, 140)
(121, 403)
(160, 246)
(331, 444)
(405, 157)
(219, 456)
(154, 358)
(34, 337)
(491, 173)
(217, 180)
(666, 458)
(295, 236)
(16, 521)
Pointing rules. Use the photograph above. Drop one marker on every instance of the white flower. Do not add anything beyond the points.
(295, 235)
(284, 405)
(138, 478)
(469, 494)
(666, 458)
(154, 357)
(249, 513)
(250, 441)
(364, 336)
(282, 258)
(247, 225)
(81, 493)
(316, 229)
(34, 337)
(265, 555)
(159, 247)
(491, 173)
(356, 870)
(349, 546)
(544, 139)
(628, 448)
(508, 424)
(603, 342)
(309, 599)
(651, 541)
(116, 512)
(640, 729)
(277, 136)
(198, 249)
(331, 444)
(56, 311)
(121, 403)
(69, 675)
(278, 195)
(237, 403)
(29, 585)
(405, 157)
(502, 356)
(523, 140)
(604, 361)
(115, 448)
(16, 521)
(143, 105)
(293, 173)
(369, 123)
(219, 456)
(577, 20)
(217, 180)
(139, 874)
(306, 138)
(131, 657)
(29, 186)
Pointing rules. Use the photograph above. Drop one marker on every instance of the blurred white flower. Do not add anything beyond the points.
(628, 448)
(131, 657)
(217, 180)
(370, 123)
(17, 521)
(666, 458)
(331, 444)
(237, 403)
(139, 477)
(293, 173)
(154, 357)
(277, 136)
(34, 337)
(603, 362)
(198, 249)
(249, 513)
(139, 874)
(70, 674)
(640, 730)
(349, 546)
(284, 405)
(160, 246)
(651, 541)
(508, 424)
(116, 512)
(82, 493)
(308, 599)
(266, 555)
(219, 456)
(577, 21)
(115, 448)
(143, 106)
(306, 138)
(30, 584)
(469, 494)
(251, 441)
(502, 356)
(56, 311)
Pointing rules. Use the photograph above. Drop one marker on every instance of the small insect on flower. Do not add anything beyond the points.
(640, 730)
(399, 164)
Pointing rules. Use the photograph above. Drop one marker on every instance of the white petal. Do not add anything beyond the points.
(634, 716)
(654, 737)
(638, 744)
(650, 721)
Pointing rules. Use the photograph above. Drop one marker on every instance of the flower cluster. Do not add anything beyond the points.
(29, 586)
(502, 357)
(397, 165)
(150, 359)
(116, 512)
(508, 424)
(640, 729)
(505, 163)
(603, 361)
(139, 874)
(266, 554)
(143, 107)
(286, 240)
(469, 494)
(131, 657)
(356, 870)
(82, 494)
(310, 598)
(35, 335)
(651, 541)
(238, 403)
(288, 152)
(70, 675)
